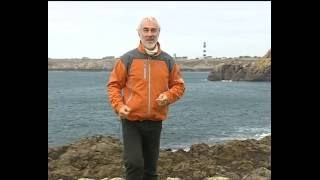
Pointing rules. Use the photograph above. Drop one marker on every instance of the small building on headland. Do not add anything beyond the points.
(182, 58)
(108, 57)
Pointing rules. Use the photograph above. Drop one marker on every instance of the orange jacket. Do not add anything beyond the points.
(137, 79)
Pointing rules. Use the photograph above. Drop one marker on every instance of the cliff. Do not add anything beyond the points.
(80, 64)
(107, 64)
(259, 70)
(101, 157)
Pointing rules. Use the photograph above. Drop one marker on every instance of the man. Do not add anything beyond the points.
(143, 83)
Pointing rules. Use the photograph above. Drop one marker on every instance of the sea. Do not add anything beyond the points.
(209, 112)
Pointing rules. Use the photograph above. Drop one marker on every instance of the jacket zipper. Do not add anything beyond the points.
(130, 97)
(145, 70)
(149, 85)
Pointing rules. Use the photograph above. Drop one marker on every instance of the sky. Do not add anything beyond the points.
(96, 29)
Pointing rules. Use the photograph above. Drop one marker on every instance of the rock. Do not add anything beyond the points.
(108, 63)
(102, 179)
(197, 150)
(268, 54)
(232, 175)
(199, 174)
(217, 178)
(94, 157)
(55, 153)
(243, 71)
(101, 157)
(266, 140)
(259, 174)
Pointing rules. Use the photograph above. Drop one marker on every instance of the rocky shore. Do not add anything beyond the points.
(100, 157)
(107, 64)
(259, 70)
(231, 69)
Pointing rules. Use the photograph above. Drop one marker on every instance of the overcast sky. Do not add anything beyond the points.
(98, 29)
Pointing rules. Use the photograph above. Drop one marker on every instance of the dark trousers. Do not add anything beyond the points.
(141, 140)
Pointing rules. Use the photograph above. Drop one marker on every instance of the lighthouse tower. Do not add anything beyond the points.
(204, 50)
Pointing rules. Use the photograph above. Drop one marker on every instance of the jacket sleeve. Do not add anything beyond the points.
(117, 81)
(176, 85)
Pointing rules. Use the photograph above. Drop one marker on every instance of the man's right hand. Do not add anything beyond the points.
(124, 111)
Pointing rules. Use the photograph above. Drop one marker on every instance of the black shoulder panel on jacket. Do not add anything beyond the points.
(135, 54)
(129, 56)
(168, 59)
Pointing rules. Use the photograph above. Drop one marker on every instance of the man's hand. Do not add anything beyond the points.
(124, 111)
(162, 100)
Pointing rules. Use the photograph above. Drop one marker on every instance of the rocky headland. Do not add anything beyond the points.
(259, 70)
(231, 69)
(100, 157)
(107, 64)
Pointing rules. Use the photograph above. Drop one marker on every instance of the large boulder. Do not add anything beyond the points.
(268, 54)
(94, 157)
(243, 71)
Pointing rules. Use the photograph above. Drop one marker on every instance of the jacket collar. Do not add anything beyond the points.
(142, 50)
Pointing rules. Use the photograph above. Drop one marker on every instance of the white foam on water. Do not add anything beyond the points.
(243, 133)
(260, 136)
(226, 80)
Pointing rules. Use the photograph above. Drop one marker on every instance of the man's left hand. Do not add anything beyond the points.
(162, 100)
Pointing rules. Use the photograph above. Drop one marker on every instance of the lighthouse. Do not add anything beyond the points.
(205, 53)
(204, 50)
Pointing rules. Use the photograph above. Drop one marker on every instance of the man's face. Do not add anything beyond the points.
(149, 34)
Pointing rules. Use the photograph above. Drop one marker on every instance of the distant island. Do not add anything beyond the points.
(107, 64)
(242, 68)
